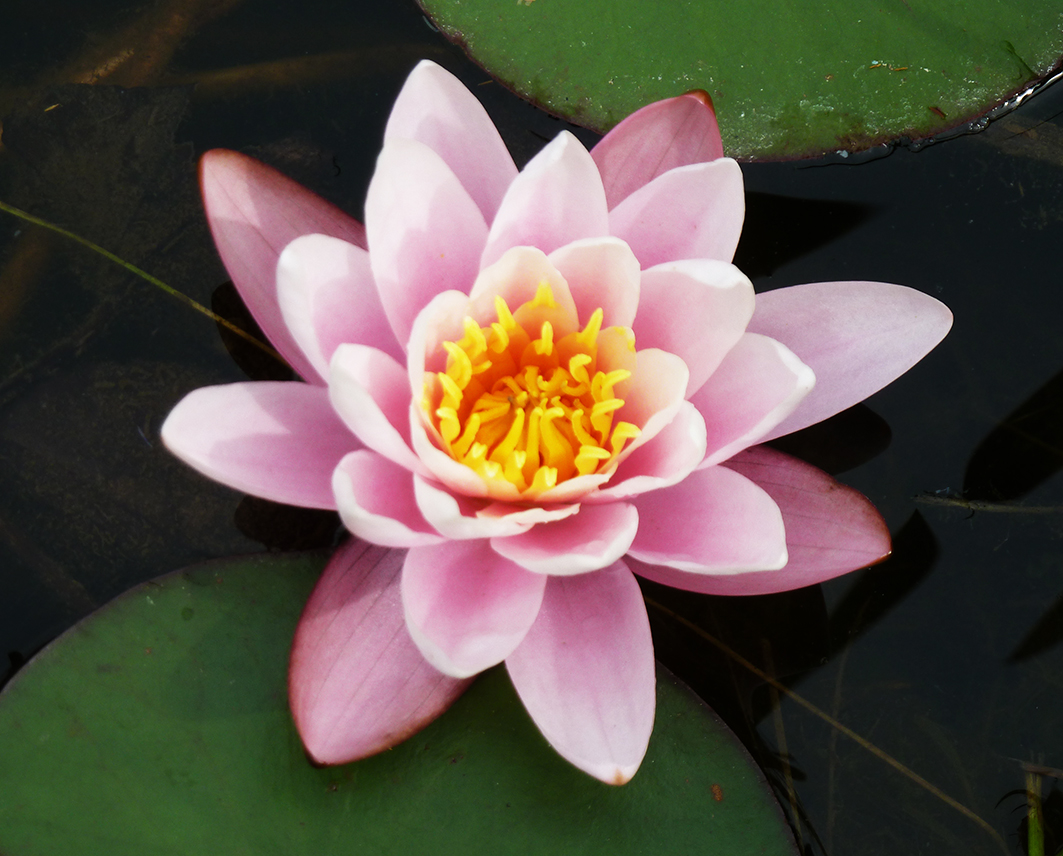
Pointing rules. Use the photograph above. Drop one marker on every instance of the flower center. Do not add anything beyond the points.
(532, 412)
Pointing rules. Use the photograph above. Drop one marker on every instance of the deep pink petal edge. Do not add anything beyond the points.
(357, 683)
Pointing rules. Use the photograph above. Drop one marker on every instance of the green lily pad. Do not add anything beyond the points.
(788, 80)
(160, 725)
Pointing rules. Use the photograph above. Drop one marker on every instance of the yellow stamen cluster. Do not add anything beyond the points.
(532, 412)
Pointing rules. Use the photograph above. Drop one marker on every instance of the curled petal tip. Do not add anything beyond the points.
(702, 96)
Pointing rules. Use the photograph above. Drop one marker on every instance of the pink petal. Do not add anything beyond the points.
(461, 518)
(327, 296)
(653, 394)
(665, 460)
(255, 212)
(692, 212)
(436, 109)
(467, 607)
(376, 502)
(357, 683)
(585, 672)
(516, 278)
(831, 529)
(856, 336)
(440, 321)
(280, 441)
(713, 522)
(368, 389)
(657, 138)
(602, 273)
(757, 385)
(595, 538)
(697, 309)
(425, 232)
(556, 199)
(458, 478)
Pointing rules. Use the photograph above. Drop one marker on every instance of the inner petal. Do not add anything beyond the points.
(521, 406)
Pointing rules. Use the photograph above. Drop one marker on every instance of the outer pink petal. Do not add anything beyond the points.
(655, 139)
(713, 522)
(666, 460)
(758, 384)
(467, 608)
(255, 212)
(461, 518)
(376, 502)
(697, 309)
(856, 337)
(437, 110)
(585, 672)
(358, 685)
(693, 212)
(593, 539)
(831, 529)
(602, 273)
(327, 296)
(368, 390)
(280, 441)
(425, 232)
(556, 199)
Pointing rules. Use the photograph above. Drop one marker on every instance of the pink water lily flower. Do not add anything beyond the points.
(522, 389)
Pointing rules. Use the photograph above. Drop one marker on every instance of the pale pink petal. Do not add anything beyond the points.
(357, 683)
(467, 608)
(255, 212)
(461, 518)
(758, 384)
(556, 199)
(692, 212)
(831, 529)
(576, 488)
(327, 296)
(659, 137)
(715, 521)
(368, 389)
(459, 479)
(280, 441)
(856, 336)
(425, 232)
(442, 320)
(602, 273)
(593, 539)
(665, 460)
(437, 110)
(516, 278)
(585, 672)
(376, 502)
(697, 309)
(652, 395)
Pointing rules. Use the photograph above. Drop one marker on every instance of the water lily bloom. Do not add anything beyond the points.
(522, 388)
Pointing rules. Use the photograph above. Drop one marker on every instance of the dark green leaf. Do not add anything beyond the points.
(788, 80)
(160, 725)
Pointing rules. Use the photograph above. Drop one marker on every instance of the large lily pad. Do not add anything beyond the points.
(788, 79)
(160, 725)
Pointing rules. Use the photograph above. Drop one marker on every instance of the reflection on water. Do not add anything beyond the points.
(947, 656)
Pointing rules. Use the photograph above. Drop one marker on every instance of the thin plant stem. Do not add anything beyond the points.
(831, 721)
(158, 283)
(1035, 828)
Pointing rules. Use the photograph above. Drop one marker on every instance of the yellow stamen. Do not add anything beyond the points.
(525, 408)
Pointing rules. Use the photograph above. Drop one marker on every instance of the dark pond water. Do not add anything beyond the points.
(948, 656)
